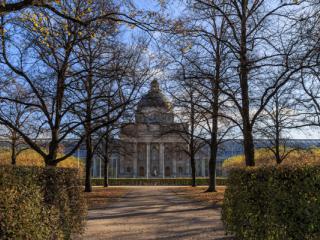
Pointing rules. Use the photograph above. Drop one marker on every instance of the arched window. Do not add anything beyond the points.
(141, 172)
(167, 172)
(180, 171)
(128, 169)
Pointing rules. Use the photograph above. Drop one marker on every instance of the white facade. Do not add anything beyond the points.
(152, 146)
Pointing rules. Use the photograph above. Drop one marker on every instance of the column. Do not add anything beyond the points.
(174, 165)
(119, 163)
(93, 169)
(148, 160)
(117, 168)
(135, 159)
(100, 167)
(203, 168)
(188, 165)
(162, 159)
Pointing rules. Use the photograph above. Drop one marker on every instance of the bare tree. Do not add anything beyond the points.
(185, 100)
(112, 122)
(278, 118)
(49, 49)
(123, 11)
(266, 55)
(19, 115)
(66, 77)
(111, 76)
(310, 76)
(107, 144)
(104, 150)
(200, 39)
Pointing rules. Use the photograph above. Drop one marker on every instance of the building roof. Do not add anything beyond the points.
(154, 98)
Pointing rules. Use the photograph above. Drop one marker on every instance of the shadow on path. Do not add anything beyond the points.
(148, 213)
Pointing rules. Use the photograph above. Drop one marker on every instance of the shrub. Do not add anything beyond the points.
(265, 157)
(155, 181)
(273, 203)
(40, 203)
(22, 214)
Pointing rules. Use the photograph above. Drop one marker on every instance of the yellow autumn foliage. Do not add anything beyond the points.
(32, 158)
(265, 157)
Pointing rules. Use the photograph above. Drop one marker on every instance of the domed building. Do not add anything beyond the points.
(152, 146)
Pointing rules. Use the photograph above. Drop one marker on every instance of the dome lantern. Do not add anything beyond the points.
(154, 86)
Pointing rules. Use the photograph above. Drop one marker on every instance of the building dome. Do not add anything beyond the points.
(154, 107)
(154, 98)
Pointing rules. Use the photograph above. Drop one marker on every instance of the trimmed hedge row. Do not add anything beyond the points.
(273, 203)
(155, 181)
(40, 203)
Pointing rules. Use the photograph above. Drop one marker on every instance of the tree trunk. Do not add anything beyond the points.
(247, 128)
(106, 163)
(244, 71)
(106, 174)
(215, 86)
(278, 131)
(88, 129)
(192, 144)
(248, 146)
(50, 187)
(193, 170)
(212, 164)
(277, 141)
(89, 155)
(13, 153)
(278, 157)
(212, 174)
(50, 159)
(214, 134)
(51, 162)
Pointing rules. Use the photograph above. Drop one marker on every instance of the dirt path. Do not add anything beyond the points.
(154, 213)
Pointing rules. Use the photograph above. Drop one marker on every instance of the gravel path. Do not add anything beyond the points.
(154, 213)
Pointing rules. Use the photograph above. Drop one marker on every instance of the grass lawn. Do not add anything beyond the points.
(198, 193)
(100, 197)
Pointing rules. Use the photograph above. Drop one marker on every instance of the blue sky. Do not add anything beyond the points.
(174, 9)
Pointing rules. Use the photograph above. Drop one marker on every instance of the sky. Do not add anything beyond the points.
(175, 10)
(153, 5)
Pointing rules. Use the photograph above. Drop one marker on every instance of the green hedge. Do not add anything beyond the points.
(155, 181)
(40, 203)
(273, 203)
